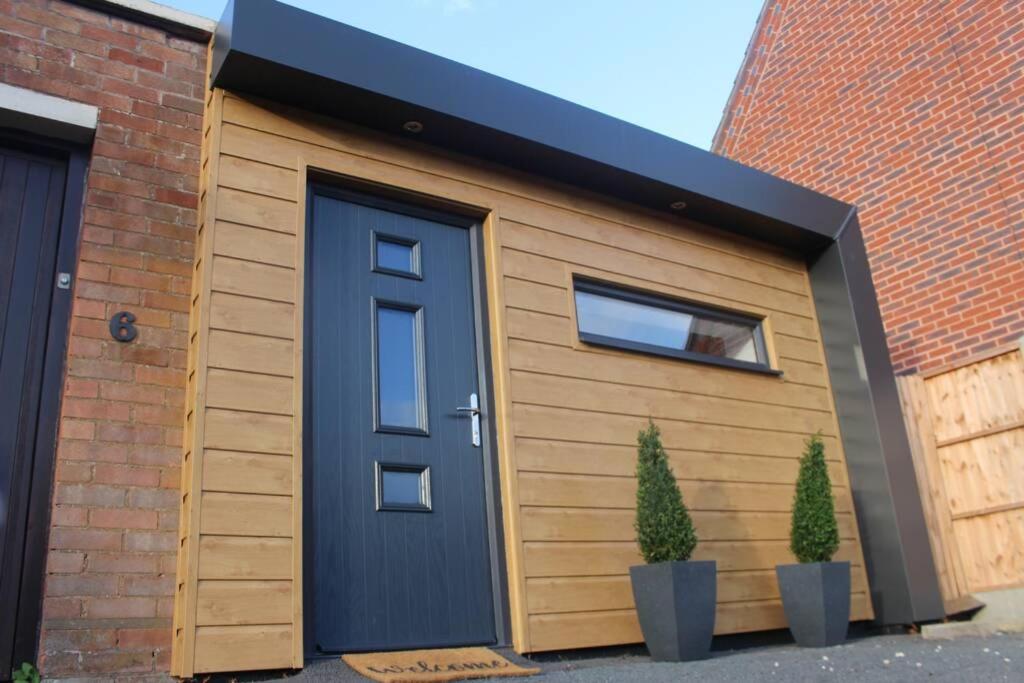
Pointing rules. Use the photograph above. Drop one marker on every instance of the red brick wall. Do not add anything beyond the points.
(110, 574)
(914, 111)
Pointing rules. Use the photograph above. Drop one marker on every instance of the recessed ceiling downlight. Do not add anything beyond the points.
(413, 127)
(677, 206)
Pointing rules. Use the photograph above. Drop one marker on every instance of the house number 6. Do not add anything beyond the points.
(121, 327)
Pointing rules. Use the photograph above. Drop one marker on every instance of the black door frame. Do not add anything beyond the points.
(32, 560)
(399, 201)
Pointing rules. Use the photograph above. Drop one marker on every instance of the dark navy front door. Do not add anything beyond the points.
(31, 194)
(400, 534)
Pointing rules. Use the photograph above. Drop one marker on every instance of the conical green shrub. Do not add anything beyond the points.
(663, 526)
(814, 536)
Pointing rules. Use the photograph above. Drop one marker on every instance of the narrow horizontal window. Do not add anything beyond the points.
(396, 256)
(650, 323)
(403, 487)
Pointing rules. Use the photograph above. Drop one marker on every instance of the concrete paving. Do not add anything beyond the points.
(1003, 611)
(878, 658)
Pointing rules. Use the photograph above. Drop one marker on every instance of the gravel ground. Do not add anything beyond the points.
(876, 658)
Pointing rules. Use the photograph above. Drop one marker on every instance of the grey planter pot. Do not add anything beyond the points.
(816, 597)
(675, 602)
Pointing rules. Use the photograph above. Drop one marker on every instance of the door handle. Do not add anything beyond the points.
(474, 414)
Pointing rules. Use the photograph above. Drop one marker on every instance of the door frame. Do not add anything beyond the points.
(440, 210)
(32, 559)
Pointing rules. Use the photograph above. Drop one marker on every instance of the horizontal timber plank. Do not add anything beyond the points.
(256, 210)
(601, 593)
(235, 390)
(582, 252)
(256, 177)
(545, 422)
(797, 347)
(589, 524)
(520, 198)
(252, 432)
(566, 457)
(241, 648)
(608, 558)
(537, 297)
(251, 353)
(244, 514)
(599, 492)
(634, 369)
(639, 244)
(256, 316)
(242, 558)
(597, 629)
(246, 278)
(594, 395)
(258, 145)
(224, 603)
(803, 373)
(247, 472)
(254, 244)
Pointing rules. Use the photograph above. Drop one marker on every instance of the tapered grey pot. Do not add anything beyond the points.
(675, 602)
(816, 598)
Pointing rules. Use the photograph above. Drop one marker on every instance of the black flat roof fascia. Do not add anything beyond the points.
(288, 55)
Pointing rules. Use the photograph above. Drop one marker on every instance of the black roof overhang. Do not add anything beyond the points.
(288, 55)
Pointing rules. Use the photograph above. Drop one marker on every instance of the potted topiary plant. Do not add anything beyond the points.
(815, 592)
(675, 597)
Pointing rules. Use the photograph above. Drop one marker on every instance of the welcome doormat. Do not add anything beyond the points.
(428, 666)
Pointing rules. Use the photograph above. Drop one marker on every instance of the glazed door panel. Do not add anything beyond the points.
(400, 536)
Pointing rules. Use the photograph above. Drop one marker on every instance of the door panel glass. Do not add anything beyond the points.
(400, 385)
(396, 256)
(403, 487)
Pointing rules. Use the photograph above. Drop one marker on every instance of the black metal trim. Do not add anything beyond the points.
(420, 362)
(894, 537)
(37, 530)
(426, 503)
(308, 463)
(489, 440)
(417, 264)
(605, 289)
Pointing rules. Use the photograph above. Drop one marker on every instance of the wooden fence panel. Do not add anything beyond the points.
(966, 428)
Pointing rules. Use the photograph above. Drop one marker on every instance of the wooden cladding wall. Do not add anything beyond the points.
(567, 414)
(239, 594)
(966, 428)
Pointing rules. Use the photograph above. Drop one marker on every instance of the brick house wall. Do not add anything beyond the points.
(914, 111)
(110, 571)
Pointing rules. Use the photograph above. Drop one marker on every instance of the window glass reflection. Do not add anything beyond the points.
(398, 374)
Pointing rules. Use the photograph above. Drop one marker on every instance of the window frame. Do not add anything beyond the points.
(414, 244)
(419, 343)
(426, 503)
(631, 295)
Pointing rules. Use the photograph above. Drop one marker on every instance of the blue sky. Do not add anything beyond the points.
(667, 65)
